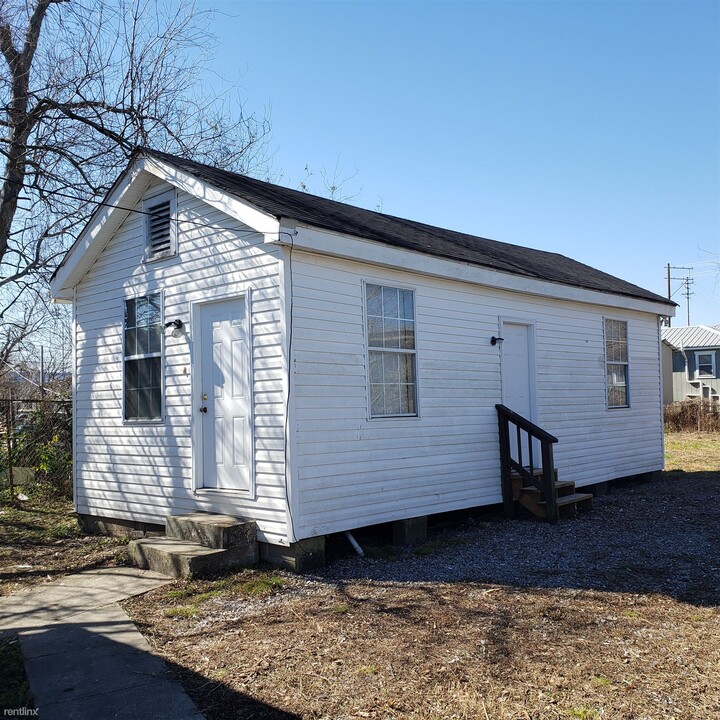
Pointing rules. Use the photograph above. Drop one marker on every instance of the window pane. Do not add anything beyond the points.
(374, 299)
(407, 335)
(131, 403)
(143, 346)
(407, 399)
(154, 308)
(142, 311)
(407, 368)
(376, 367)
(155, 339)
(617, 385)
(377, 400)
(149, 403)
(391, 368)
(130, 344)
(131, 374)
(406, 305)
(391, 334)
(130, 321)
(392, 399)
(375, 332)
(390, 302)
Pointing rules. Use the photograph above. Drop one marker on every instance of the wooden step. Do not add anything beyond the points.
(574, 502)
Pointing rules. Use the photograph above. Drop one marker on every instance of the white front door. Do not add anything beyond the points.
(518, 380)
(224, 395)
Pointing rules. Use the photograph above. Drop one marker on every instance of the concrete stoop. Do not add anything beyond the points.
(198, 544)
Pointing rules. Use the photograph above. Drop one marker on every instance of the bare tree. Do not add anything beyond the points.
(86, 82)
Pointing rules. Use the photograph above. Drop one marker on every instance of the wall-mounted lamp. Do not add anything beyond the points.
(496, 340)
(177, 326)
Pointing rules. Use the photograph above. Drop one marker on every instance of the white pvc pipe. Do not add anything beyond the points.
(354, 543)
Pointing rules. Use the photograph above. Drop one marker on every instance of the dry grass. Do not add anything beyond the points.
(40, 540)
(347, 646)
(692, 452)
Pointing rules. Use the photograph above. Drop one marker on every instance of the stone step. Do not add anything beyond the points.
(179, 558)
(211, 530)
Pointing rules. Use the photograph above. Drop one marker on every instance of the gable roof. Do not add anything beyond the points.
(284, 203)
(692, 336)
(339, 217)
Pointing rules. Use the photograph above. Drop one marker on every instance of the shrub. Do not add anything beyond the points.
(692, 415)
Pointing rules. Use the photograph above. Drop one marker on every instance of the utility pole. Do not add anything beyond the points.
(686, 280)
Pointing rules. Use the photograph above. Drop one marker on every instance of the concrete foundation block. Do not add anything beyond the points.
(118, 527)
(410, 531)
(308, 554)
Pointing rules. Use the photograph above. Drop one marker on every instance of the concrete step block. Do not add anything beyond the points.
(178, 558)
(211, 530)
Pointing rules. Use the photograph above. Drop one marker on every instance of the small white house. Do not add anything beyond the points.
(247, 349)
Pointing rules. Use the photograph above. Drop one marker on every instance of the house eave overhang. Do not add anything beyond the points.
(122, 199)
(317, 240)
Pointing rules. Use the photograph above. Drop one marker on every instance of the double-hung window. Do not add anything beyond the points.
(142, 358)
(390, 318)
(616, 363)
(705, 364)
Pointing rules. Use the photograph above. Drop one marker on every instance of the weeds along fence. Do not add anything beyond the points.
(36, 445)
(693, 416)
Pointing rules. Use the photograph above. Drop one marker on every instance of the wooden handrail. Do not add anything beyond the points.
(525, 424)
(506, 416)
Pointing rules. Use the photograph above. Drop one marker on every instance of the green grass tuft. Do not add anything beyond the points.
(261, 585)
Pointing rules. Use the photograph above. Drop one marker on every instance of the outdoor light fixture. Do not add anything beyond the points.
(493, 340)
(177, 326)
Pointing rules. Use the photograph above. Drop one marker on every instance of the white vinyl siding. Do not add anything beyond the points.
(351, 471)
(144, 472)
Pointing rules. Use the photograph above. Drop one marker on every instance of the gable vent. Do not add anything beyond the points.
(159, 228)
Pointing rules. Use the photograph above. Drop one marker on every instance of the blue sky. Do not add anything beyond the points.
(587, 128)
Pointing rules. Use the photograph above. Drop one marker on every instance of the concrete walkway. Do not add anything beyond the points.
(84, 657)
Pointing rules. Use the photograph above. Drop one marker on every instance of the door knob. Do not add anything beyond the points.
(203, 409)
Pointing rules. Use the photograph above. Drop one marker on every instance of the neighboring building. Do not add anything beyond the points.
(691, 363)
(249, 349)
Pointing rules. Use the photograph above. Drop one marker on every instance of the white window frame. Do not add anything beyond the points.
(149, 202)
(698, 353)
(398, 351)
(145, 421)
(626, 363)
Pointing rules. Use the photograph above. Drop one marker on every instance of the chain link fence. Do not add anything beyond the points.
(36, 446)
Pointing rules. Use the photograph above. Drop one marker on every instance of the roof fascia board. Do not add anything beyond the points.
(116, 206)
(246, 213)
(121, 199)
(320, 241)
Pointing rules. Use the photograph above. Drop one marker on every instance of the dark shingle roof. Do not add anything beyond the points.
(328, 214)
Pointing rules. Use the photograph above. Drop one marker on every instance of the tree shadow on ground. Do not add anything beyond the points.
(92, 670)
(653, 536)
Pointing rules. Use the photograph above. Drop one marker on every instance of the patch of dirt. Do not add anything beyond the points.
(40, 540)
(611, 615)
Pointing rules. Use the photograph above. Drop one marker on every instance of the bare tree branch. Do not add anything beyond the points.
(84, 83)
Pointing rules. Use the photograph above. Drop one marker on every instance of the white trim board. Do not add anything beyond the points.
(314, 240)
